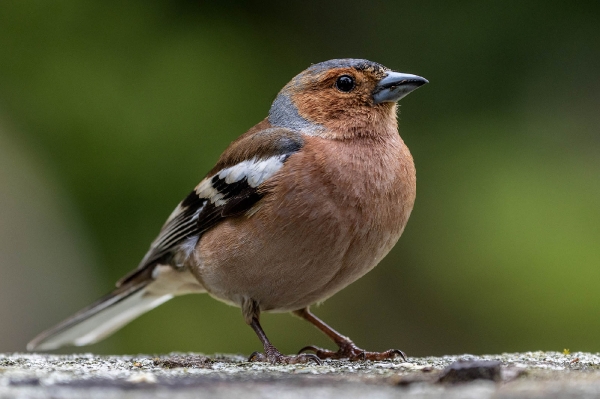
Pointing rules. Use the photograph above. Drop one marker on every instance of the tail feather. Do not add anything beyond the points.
(101, 318)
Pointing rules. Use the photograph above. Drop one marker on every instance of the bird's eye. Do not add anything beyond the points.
(345, 83)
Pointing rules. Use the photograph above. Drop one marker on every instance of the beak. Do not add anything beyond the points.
(396, 85)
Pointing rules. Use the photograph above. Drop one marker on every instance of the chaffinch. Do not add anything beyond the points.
(298, 207)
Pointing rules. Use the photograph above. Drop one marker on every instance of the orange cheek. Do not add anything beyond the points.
(323, 107)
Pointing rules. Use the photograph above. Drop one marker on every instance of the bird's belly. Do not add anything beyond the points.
(317, 229)
(305, 260)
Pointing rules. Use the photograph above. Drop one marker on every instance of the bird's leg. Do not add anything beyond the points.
(347, 348)
(271, 354)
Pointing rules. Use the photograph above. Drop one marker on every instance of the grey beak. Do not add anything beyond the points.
(396, 85)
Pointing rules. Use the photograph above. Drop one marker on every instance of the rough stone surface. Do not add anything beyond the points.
(175, 376)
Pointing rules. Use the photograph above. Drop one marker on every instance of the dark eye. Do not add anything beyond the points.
(345, 83)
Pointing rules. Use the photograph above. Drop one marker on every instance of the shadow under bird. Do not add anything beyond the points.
(298, 207)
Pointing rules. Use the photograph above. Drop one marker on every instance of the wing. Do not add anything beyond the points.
(230, 189)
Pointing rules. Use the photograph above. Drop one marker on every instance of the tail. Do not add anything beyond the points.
(101, 318)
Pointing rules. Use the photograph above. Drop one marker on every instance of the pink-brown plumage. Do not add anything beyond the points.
(301, 205)
(329, 216)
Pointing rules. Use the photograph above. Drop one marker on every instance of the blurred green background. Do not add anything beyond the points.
(110, 112)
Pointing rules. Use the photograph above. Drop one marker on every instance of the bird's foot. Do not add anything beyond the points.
(348, 350)
(273, 356)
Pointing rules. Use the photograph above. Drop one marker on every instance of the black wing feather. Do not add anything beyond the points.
(196, 214)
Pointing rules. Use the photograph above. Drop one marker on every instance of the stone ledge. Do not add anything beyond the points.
(520, 375)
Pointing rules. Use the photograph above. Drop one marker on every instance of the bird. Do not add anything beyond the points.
(301, 205)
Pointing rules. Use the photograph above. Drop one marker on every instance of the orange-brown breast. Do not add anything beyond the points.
(329, 216)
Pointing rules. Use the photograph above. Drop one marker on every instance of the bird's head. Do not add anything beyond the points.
(338, 98)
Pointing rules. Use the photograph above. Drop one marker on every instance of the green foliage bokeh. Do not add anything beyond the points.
(132, 102)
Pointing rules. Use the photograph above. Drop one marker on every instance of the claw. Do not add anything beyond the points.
(309, 357)
(399, 353)
(257, 357)
(309, 348)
